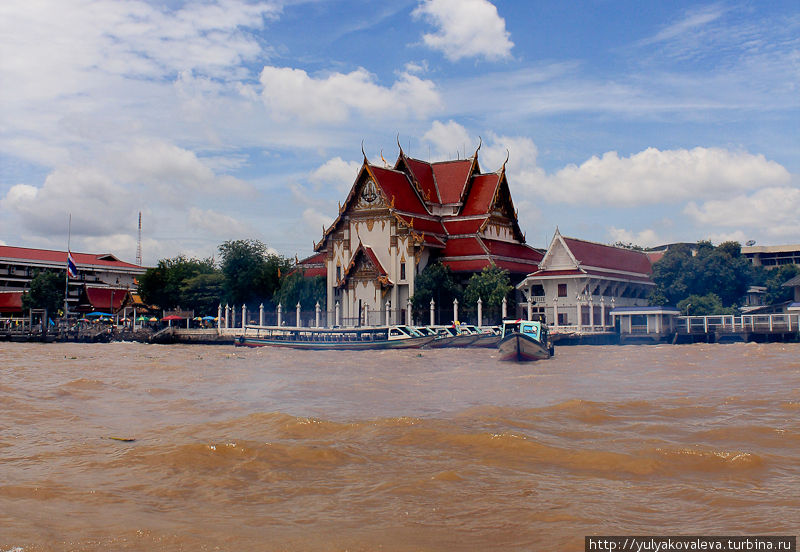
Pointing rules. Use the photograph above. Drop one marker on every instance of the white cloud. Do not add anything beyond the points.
(337, 172)
(97, 204)
(333, 98)
(217, 224)
(316, 221)
(773, 211)
(693, 20)
(465, 28)
(174, 171)
(654, 176)
(447, 139)
(644, 238)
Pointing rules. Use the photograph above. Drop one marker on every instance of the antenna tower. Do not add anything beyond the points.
(139, 243)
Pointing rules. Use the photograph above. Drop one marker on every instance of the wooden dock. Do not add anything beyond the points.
(748, 327)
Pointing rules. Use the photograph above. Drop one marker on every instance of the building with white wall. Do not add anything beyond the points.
(579, 282)
(398, 219)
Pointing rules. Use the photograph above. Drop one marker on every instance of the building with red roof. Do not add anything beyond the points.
(578, 283)
(398, 219)
(102, 283)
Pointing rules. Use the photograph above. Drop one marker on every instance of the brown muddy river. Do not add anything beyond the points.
(127, 446)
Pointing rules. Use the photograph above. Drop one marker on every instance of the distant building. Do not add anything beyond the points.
(770, 256)
(398, 219)
(103, 281)
(795, 283)
(578, 283)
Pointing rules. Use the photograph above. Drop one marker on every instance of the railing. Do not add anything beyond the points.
(753, 323)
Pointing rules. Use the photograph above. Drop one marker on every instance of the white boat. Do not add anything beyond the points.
(352, 339)
(524, 340)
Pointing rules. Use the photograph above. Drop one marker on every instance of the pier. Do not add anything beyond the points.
(747, 327)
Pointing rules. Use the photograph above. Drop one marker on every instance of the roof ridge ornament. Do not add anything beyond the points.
(364, 153)
(399, 146)
(480, 143)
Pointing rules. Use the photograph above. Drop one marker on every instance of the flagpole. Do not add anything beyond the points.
(66, 273)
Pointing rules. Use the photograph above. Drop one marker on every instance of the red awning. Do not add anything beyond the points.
(10, 301)
(106, 299)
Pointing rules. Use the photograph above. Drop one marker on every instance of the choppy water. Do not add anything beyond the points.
(260, 449)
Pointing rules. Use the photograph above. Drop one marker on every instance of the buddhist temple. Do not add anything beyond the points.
(398, 219)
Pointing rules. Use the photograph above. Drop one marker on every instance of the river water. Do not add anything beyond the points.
(433, 450)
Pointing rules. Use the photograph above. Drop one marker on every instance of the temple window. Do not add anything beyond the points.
(403, 270)
(562, 290)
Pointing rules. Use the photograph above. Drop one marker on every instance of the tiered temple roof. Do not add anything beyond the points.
(447, 206)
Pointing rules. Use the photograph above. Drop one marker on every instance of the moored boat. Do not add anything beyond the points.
(353, 339)
(524, 340)
(487, 336)
(452, 336)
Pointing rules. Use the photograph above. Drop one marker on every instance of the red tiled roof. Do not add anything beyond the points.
(315, 265)
(397, 188)
(470, 265)
(463, 247)
(595, 273)
(462, 226)
(11, 301)
(367, 251)
(423, 173)
(481, 194)
(619, 276)
(451, 179)
(60, 257)
(515, 250)
(423, 224)
(101, 298)
(655, 256)
(515, 267)
(606, 256)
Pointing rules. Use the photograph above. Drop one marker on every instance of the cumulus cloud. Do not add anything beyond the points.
(644, 238)
(655, 176)
(446, 139)
(97, 203)
(773, 210)
(217, 224)
(334, 97)
(316, 221)
(175, 171)
(465, 29)
(336, 172)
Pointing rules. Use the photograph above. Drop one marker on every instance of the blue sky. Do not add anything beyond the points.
(643, 122)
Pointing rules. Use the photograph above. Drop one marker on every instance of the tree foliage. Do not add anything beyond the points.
(704, 305)
(773, 279)
(435, 282)
(252, 274)
(490, 285)
(46, 292)
(297, 288)
(722, 271)
(175, 283)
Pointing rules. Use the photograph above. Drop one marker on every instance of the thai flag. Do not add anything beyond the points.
(72, 270)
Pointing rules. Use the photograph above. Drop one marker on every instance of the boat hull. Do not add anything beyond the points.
(410, 343)
(522, 348)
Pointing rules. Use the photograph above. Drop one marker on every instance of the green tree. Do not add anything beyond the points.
(491, 285)
(297, 288)
(434, 282)
(252, 274)
(773, 279)
(203, 292)
(722, 271)
(165, 285)
(704, 305)
(46, 292)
